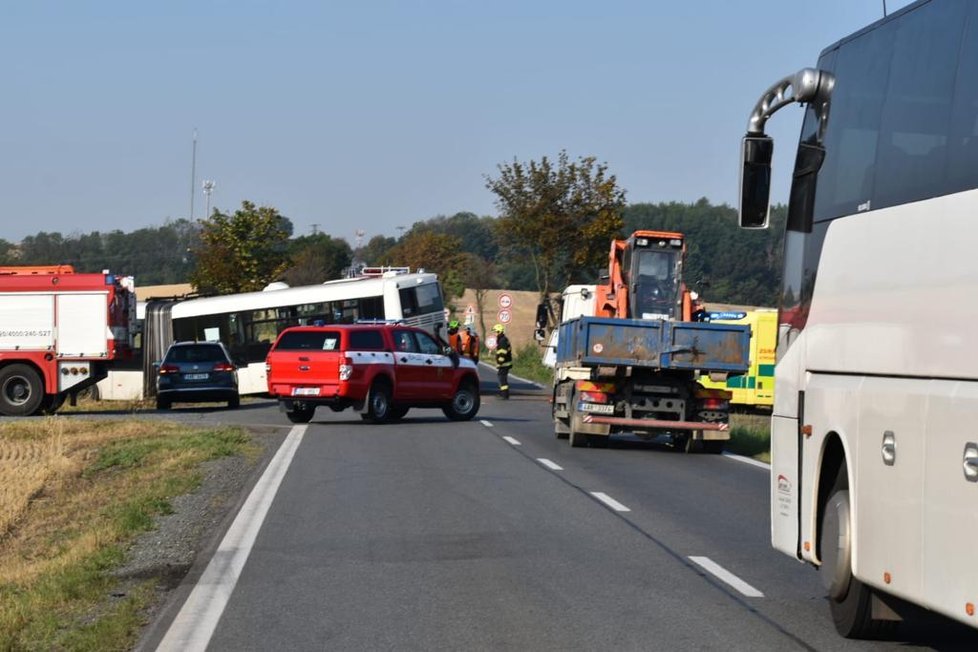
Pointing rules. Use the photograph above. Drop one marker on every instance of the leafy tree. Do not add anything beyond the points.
(375, 251)
(560, 214)
(476, 234)
(317, 258)
(242, 252)
(433, 252)
(479, 275)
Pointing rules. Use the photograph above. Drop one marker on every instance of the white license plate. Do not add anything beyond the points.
(305, 391)
(598, 408)
(195, 376)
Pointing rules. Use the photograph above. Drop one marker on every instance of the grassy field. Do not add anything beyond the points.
(73, 495)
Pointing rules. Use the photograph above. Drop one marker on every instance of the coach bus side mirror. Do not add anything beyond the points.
(756, 152)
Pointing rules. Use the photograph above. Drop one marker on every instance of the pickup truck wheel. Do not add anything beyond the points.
(379, 403)
(234, 403)
(398, 412)
(21, 390)
(300, 415)
(465, 403)
(162, 403)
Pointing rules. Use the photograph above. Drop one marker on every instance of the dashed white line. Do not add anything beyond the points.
(726, 576)
(550, 465)
(514, 442)
(747, 460)
(487, 424)
(609, 501)
(194, 625)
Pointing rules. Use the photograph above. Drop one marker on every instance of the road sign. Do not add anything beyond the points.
(469, 319)
(505, 316)
(505, 301)
(470, 310)
(491, 342)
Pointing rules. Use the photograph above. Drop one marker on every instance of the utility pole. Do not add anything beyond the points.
(315, 229)
(193, 176)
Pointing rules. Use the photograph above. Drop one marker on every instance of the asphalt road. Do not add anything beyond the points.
(433, 535)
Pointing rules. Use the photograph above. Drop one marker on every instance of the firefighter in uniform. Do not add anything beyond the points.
(504, 359)
(470, 344)
(454, 338)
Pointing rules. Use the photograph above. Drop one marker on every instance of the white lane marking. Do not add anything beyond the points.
(514, 442)
(550, 465)
(723, 574)
(747, 460)
(487, 424)
(609, 501)
(194, 625)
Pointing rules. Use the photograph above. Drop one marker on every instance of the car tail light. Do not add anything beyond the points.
(169, 369)
(223, 366)
(346, 369)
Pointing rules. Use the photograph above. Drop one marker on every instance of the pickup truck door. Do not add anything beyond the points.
(438, 371)
(409, 365)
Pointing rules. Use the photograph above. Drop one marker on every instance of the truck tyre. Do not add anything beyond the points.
(575, 438)
(234, 403)
(713, 446)
(465, 403)
(379, 402)
(163, 403)
(850, 601)
(21, 390)
(300, 414)
(52, 403)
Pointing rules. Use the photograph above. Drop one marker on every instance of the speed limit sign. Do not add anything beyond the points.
(505, 316)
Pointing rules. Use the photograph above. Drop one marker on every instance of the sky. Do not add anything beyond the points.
(375, 114)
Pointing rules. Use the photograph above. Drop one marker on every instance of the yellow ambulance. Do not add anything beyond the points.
(755, 389)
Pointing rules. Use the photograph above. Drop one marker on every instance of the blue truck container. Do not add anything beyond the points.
(642, 376)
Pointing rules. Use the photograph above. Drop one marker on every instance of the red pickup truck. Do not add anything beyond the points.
(380, 370)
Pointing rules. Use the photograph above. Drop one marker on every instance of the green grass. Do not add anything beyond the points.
(528, 363)
(750, 436)
(71, 602)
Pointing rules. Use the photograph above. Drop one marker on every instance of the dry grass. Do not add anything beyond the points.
(72, 495)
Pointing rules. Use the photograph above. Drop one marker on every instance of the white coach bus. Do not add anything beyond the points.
(874, 444)
(248, 323)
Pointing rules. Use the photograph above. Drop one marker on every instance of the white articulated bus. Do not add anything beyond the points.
(874, 440)
(248, 323)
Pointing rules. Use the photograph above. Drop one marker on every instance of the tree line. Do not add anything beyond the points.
(556, 220)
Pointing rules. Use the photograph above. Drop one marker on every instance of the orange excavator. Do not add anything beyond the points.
(645, 279)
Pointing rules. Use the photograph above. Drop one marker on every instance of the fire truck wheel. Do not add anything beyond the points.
(465, 403)
(21, 390)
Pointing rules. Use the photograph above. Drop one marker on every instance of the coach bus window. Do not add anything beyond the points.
(421, 300)
(845, 184)
(914, 125)
(963, 137)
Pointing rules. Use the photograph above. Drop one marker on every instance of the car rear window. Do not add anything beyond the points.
(309, 341)
(196, 353)
(366, 341)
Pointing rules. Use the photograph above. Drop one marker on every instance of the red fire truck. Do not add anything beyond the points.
(59, 333)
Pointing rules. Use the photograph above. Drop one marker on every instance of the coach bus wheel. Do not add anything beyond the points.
(21, 390)
(850, 601)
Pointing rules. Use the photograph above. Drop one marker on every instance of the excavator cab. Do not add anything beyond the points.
(646, 278)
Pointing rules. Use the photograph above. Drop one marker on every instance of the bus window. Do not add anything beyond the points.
(421, 300)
